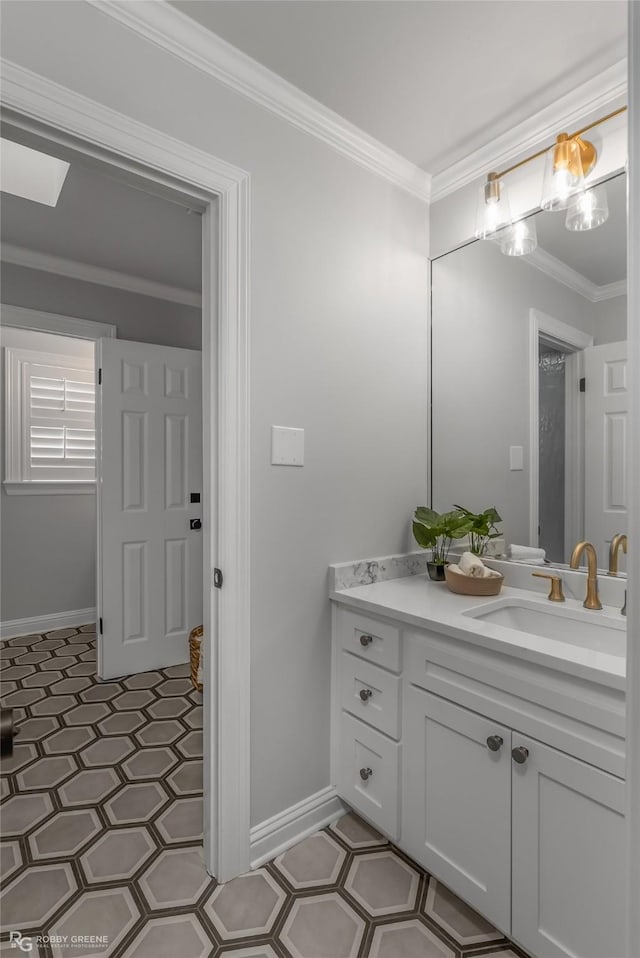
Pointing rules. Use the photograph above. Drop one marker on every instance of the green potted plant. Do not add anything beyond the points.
(483, 528)
(436, 531)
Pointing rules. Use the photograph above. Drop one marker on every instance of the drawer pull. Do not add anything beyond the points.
(366, 640)
(494, 743)
(365, 694)
(520, 754)
(365, 773)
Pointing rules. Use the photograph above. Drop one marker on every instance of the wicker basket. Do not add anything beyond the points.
(469, 585)
(195, 641)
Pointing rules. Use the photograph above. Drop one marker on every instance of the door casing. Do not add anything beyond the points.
(35, 106)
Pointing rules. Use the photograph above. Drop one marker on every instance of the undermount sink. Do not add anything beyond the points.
(589, 630)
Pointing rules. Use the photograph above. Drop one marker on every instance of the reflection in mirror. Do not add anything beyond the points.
(529, 385)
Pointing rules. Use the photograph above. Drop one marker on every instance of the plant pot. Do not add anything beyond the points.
(436, 570)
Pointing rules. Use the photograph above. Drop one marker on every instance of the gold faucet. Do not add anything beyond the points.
(618, 541)
(592, 601)
(555, 591)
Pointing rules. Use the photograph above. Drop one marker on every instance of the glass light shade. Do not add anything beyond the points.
(519, 239)
(588, 209)
(493, 210)
(563, 175)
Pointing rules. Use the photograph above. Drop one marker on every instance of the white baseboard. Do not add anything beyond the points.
(276, 834)
(46, 623)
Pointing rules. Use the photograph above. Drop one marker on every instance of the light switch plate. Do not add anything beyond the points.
(287, 446)
(516, 458)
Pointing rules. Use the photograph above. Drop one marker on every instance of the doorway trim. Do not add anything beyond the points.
(564, 337)
(37, 105)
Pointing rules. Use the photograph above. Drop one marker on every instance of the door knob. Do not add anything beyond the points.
(520, 754)
(366, 640)
(365, 694)
(494, 742)
(195, 524)
(365, 773)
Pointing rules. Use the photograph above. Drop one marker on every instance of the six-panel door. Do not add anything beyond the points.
(456, 816)
(149, 465)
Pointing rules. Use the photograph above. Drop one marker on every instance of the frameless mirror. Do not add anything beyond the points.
(529, 383)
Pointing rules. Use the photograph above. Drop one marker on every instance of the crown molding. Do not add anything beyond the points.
(597, 94)
(564, 274)
(181, 36)
(32, 259)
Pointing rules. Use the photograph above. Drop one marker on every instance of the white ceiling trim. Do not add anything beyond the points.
(564, 274)
(32, 259)
(200, 48)
(568, 111)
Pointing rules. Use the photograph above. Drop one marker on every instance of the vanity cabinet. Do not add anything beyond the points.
(568, 856)
(456, 815)
(493, 773)
(529, 836)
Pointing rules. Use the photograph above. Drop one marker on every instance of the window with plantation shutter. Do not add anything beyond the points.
(51, 435)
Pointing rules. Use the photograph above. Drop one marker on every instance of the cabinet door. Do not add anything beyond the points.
(569, 857)
(368, 776)
(456, 816)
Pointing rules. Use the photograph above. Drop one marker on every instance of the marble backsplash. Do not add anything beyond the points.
(348, 575)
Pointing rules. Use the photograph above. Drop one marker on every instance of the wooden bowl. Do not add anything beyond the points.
(469, 585)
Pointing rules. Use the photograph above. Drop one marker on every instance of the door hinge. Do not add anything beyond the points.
(218, 578)
(100, 625)
(99, 377)
(582, 385)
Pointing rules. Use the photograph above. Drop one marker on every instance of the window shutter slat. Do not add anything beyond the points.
(66, 445)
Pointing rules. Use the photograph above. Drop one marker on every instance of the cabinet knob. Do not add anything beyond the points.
(520, 754)
(365, 773)
(495, 742)
(365, 694)
(366, 640)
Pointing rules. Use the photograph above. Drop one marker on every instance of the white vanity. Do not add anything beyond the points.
(491, 751)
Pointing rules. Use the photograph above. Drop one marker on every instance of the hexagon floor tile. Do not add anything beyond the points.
(246, 906)
(117, 854)
(323, 925)
(102, 835)
(167, 937)
(315, 861)
(383, 883)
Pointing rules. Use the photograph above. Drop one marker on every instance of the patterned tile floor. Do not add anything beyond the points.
(101, 820)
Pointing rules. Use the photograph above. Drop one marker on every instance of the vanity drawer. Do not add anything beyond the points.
(369, 778)
(370, 693)
(371, 639)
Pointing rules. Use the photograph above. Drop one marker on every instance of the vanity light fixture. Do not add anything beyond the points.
(588, 209)
(494, 211)
(519, 239)
(567, 163)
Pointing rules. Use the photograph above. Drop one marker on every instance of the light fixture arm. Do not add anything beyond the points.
(572, 136)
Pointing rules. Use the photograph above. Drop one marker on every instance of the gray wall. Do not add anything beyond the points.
(48, 543)
(338, 346)
(137, 318)
(610, 325)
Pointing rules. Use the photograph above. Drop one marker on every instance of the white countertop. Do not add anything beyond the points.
(417, 601)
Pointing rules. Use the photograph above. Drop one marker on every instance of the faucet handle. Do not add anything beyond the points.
(555, 592)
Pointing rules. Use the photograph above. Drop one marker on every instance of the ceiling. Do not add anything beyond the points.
(432, 79)
(103, 221)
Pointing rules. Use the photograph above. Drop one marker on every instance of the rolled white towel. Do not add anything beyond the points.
(526, 561)
(524, 553)
(472, 565)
